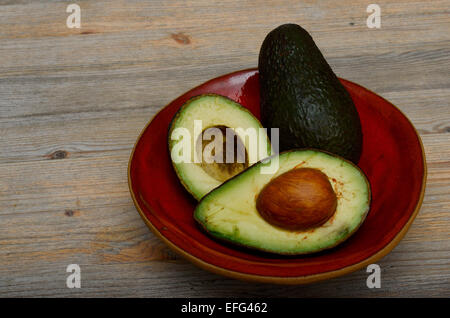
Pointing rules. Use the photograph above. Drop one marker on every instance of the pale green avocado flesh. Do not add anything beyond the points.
(219, 112)
(229, 212)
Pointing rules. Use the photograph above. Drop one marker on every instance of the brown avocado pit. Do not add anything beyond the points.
(214, 160)
(299, 199)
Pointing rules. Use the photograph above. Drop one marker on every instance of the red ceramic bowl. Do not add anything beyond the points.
(393, 160)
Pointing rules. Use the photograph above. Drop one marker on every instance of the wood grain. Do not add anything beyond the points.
(73, 101)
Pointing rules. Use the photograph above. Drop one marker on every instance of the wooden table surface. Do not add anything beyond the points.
(73, 102)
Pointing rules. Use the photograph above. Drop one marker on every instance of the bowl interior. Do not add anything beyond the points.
(392, 159)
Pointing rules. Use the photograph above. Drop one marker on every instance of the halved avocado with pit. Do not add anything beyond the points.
(231, 212)
(223, 115)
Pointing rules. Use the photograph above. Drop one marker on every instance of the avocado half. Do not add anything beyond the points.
(230, 211)
(214, 111)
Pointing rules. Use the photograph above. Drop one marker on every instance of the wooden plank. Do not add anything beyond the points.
(44, 137)
(73, 101)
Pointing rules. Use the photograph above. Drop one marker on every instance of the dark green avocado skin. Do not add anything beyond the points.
(301, 95)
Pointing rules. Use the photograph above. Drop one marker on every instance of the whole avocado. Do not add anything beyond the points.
(301, 95)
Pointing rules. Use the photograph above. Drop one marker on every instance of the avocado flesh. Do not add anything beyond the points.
(229, 212)
(301, 95)
(214, 111)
